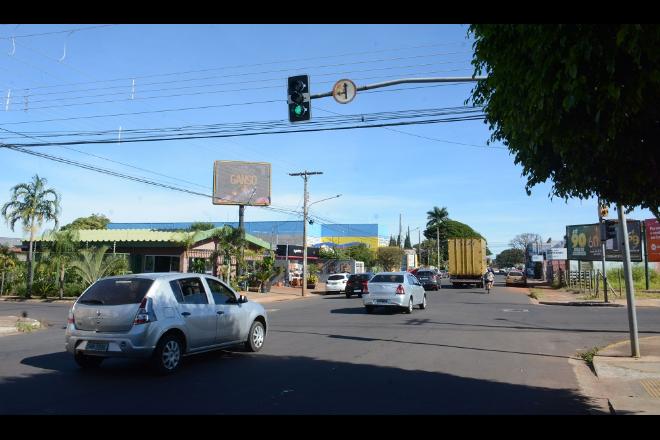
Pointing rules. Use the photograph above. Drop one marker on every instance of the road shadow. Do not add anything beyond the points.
(362, 311)
(242, 383)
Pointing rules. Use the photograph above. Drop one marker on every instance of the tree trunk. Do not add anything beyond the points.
(2, 285)
(62, 282)
(28, 293)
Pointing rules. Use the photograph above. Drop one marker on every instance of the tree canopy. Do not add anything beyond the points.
(510, 258)
(575, 104)
(390, 257)
(521, 241)
(94, 221)
(201, 226)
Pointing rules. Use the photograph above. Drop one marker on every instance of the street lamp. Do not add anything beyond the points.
(323, 200)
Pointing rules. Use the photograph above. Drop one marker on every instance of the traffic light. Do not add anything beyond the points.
(298, 99)
(603, 211)
(609, 229)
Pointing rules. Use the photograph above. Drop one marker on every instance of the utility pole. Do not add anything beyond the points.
(437, 235)
(419, 240)
(305, 175)
(630, 288)
(400, 243)
(602, 247)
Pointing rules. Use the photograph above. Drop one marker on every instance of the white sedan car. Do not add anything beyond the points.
(337, 282)
(394, 289)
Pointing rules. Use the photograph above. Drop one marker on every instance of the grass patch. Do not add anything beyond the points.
(25, 327)
(535, 293)
(588, 357)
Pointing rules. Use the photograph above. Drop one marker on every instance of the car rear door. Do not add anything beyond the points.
(198, 311)
(232, 317)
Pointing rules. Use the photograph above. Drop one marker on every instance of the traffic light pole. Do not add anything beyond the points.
(602, 246)
(407, 81)
(630, 288)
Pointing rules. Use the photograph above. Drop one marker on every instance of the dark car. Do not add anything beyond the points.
(357, 283)
(430, 279)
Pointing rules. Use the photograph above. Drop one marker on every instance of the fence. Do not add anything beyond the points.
(588, 281)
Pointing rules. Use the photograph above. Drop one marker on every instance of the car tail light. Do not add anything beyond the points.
(365, 287)
(71, 319)
(143, 315)
(400, 290)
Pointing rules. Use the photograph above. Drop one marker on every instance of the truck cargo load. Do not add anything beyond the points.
(467, 260)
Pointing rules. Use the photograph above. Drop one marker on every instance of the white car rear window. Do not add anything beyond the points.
(336, 277)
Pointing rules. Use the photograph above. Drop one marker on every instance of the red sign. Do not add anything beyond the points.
(652, 239)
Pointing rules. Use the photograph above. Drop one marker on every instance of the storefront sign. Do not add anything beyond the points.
(296, 251)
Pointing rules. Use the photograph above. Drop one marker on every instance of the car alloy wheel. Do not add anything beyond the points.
(258, 336)
(410, 306)
(171, 354)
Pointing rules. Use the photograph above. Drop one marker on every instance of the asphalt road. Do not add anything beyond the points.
(467, 353)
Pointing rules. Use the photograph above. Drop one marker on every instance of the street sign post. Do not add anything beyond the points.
(344, 91)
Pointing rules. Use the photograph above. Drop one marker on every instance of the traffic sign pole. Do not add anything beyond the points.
(630, 288)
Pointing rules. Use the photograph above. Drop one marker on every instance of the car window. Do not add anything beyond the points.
(336, 277)
(221, 294)
(387, 278)
(412, 280)
(189, 291)
(353, 278)
(515, 274)
(116, 291)
(365, 277)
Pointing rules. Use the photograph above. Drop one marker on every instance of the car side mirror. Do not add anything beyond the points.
(242, 299)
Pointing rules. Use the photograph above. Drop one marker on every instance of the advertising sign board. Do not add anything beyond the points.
(241, 183)
(652, 239)
(555, 254)
(584, 243)
(295, 251)
(537, 258)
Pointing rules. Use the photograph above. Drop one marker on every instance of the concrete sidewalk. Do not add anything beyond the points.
(559, 297)
(632, 386)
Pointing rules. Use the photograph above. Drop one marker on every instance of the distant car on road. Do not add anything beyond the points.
(337, 282)
(394, 289)
(430, 279)
(357, 283)
(516, 277)
(161, 317)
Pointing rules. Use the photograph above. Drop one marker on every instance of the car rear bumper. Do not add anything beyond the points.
(129, 345)
(398, 301)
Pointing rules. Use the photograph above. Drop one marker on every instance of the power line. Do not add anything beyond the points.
(251, 65)
(58, 32)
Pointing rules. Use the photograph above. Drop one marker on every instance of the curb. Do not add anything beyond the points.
(580, 303)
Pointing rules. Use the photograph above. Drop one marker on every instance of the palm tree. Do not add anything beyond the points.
(436, 216)
(7, 263)
(93, 264)
(60, 248)
(33, 204)
(228, 242)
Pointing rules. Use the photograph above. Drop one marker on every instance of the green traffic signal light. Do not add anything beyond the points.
(298, 110)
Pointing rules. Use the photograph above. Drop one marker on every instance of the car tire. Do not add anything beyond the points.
(369, 309)
(422, 306)
(167, 355)
(256, 337)
(87, 362)
(409, 309)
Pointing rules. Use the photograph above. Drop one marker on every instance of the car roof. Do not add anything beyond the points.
(167, 276)
(393, 273)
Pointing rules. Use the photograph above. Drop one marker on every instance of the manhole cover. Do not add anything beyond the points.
(515, 310)
(652, 386)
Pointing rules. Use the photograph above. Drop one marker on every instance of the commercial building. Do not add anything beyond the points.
(287, 232)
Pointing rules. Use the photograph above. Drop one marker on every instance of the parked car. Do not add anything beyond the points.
(394, 289)
(357, 283)
(516, 277)
(501, 272)
(430, 280)
(444, 274)
(161, 317)
(337, 282)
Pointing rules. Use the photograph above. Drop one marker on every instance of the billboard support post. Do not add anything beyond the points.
(646, 256)
(602, 245)
(630, 288)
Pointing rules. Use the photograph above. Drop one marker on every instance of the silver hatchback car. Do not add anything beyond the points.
(161, 317)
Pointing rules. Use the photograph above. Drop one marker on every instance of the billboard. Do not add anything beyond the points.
(652, 239)
(293, 251)
(583, 243)
(555, 254)
(241, 183)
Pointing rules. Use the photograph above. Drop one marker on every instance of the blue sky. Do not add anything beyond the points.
(380, 173)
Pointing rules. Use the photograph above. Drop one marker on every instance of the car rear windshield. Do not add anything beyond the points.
(360, 277)
(425, 274)
(116, 291)
(387, 279)
(515, 274)
(336, 277)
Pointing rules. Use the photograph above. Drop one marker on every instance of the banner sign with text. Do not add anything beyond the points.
(583, 243)
(652, 239)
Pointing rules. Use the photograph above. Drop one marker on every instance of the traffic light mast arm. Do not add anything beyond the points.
(408, 81)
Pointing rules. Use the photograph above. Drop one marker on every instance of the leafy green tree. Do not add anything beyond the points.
(392, 241)
(577, 105)
(94, 221)
(228, 242)
(510, 258)
(389, 257)
(201, 226)
(8, 262)
(327, 254)
(406, 243)
(93, 264)
(61, 247)
(32, 204)
(362, 253)
(436, 216)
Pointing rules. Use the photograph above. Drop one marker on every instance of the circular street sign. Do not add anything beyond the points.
(344, 91)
